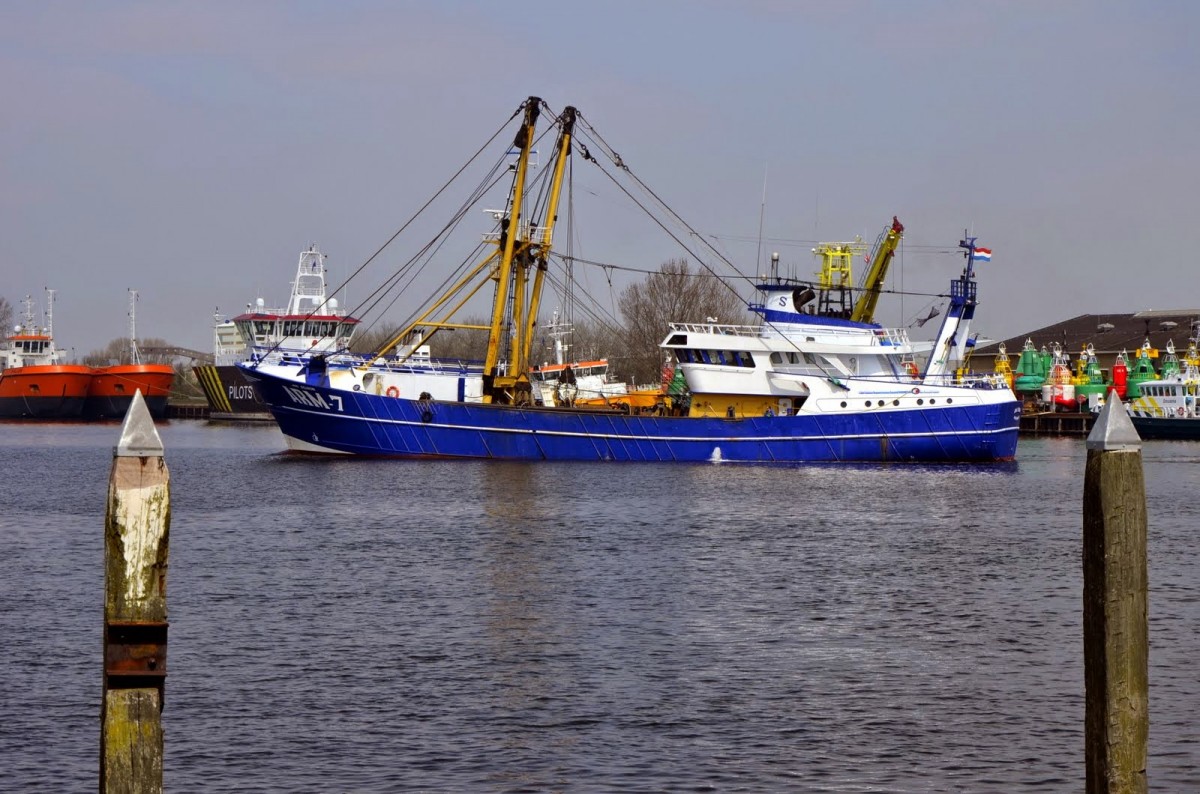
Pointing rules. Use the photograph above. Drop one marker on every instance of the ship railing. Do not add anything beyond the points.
(980, 380)
(881, 337)
(715, 328)
(536, 235)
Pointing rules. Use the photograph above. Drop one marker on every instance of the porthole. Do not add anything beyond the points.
(895, 402)
(949, 400)
(932, 401)
(920, 401)
(843, 403)
(881, 403)
(868, 403)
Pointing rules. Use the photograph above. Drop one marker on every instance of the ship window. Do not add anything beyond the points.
(793, 358)
(949, 400)
(881, 403)
(776, 358)
(895, 402)
(678, 339)
(843, 403)
(920, 401)
(264, 327)
(721, 356)
(748, 360)
(868, 403)
(318, 328)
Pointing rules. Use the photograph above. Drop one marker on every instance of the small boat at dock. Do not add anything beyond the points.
(1168, 407)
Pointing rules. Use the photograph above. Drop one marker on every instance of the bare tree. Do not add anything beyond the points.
(446, 344)
(6, 314)
(370, 340)
(673, 294)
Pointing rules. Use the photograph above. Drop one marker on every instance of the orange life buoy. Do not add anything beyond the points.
(392, 391)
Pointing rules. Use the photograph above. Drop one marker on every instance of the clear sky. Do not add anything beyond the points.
(191, 150)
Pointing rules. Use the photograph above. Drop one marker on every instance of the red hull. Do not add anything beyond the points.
(52, 391)
(112, 389)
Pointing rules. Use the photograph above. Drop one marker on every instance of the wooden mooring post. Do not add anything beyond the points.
(1115, 606)
(136, 531)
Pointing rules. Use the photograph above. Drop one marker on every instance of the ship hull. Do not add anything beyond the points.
(229, 394)
(112, 389)
(1167, 428)
(318, 419)
(44, 392)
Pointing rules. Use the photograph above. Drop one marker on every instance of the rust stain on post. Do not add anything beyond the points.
(136, 535)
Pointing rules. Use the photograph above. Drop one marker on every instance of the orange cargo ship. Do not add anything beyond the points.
(34, 384)
(112, 388)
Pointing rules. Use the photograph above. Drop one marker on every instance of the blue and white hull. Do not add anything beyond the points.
(317, 418)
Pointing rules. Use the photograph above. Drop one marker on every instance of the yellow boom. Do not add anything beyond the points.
(864, 308)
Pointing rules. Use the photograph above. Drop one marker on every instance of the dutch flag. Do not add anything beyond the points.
(983, 255)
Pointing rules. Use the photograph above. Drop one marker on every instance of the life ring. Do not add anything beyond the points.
(392, 391)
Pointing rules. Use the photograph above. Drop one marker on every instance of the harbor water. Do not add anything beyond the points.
(375, 626)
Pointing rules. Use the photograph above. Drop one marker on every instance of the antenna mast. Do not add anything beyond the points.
(50, 312)
(762, 211)
(134, 356)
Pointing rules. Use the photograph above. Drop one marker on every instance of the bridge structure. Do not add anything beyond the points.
(179, 352)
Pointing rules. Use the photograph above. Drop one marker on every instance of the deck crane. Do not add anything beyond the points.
(885, 249)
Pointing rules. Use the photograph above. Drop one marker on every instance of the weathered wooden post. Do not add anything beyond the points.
(135, 608)
(1115, 630)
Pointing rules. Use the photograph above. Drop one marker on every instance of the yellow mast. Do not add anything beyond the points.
(510, 229)
(519, 246)
(864, 309)
(524, 246)
(540, 248)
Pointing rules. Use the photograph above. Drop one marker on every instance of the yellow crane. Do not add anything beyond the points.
(885, 249)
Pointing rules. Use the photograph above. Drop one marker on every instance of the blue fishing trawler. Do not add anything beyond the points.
(813, 380)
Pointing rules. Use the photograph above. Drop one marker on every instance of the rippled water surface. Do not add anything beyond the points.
(354, 625)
